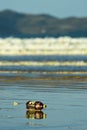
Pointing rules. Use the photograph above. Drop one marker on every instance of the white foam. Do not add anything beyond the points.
(43, 46)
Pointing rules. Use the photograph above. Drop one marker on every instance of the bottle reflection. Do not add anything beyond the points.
(35, 115)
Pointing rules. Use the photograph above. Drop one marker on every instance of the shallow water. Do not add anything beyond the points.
(66, 104)
(43, 66)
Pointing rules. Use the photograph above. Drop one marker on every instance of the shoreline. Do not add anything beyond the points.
(56, 78)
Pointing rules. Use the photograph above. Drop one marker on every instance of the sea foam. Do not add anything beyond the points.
(43, 46)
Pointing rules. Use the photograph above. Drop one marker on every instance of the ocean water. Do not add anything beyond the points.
(53, 71)
(42, 66)
(43, 57)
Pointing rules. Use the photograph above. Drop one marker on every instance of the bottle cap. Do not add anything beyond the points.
(44, 106)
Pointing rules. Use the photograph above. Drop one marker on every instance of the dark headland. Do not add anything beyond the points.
(29, 25)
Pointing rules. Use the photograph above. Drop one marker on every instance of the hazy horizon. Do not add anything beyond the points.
(56, 8)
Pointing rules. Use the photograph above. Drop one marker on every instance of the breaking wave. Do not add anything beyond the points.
(47, 56)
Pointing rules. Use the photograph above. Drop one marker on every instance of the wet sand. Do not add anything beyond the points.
(66, 100)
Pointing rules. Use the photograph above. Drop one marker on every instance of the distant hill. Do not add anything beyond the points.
(28, 25)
